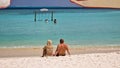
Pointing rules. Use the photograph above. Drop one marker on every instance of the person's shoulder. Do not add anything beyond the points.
(49, 46)
(58, 44)
(65, 44)
(44, 47)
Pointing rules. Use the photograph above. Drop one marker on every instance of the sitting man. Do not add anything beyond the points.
(61, 49)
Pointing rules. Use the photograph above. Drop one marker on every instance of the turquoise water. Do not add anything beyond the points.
(79, 27)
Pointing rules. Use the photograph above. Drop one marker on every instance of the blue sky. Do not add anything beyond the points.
(42, 3)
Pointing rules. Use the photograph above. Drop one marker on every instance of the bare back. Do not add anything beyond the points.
(62, 49)
(49, 50)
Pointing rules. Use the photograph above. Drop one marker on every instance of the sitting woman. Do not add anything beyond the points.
(48, 49)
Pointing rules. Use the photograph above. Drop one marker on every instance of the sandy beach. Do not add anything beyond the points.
(82, 57)
(98, 3)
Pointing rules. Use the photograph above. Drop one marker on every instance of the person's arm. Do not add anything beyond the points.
(67, 50)
(44, 51)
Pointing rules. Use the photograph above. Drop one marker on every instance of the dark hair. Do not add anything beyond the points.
(61, 41)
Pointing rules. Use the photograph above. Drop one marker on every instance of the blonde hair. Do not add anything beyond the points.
(49, 42)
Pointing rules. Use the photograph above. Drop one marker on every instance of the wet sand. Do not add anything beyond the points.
(37, 51)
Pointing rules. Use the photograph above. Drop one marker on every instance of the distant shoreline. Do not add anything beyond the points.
(56, 8)
(43, 7)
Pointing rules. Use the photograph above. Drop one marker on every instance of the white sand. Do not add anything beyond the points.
(93, 60)
(98, 3)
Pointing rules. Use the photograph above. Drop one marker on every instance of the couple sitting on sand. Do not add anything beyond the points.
(60, 51)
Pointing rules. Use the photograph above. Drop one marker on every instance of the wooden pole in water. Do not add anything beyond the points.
(52, 16)
(35, 16)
